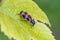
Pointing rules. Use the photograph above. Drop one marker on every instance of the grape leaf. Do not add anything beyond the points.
(17, 28)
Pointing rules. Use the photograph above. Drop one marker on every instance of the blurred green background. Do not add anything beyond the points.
(52, 9)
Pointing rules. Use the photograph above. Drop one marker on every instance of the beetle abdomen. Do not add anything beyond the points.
(27, 17)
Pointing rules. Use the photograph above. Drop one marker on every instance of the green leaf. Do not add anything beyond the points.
(16, 27)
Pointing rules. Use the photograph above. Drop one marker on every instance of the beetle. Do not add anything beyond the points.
(26, 16)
